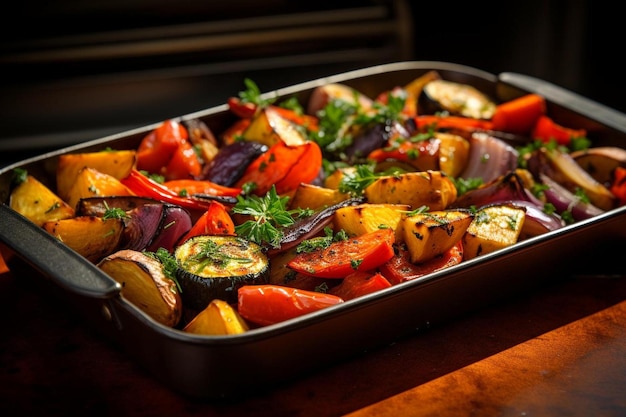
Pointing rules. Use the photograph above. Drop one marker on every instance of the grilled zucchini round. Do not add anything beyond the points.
(214, 267)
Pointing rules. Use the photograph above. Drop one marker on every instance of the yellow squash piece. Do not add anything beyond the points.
(92, 237)
(494, 227)
(314, 197)
(269, 127)
(432, 189)
(430, 234)
(453, 153)
(217, 319)
(35, 201)
(117, 164)
(145, 285)
(364, 218)
(91, 183)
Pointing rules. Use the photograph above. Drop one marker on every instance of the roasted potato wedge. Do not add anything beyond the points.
(92, 237)
(217, 319)
(493, 227)
(268, 127)
(90, 182)
(315, 197)
(35, 201)
(453, 153)
(365, 218)
(117, 164)
(430, 234)
(145, 285)
(433, 189)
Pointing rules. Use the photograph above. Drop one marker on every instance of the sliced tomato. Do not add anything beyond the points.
(215, 221)
(157, 148)
(270, 304)
(360, 283)
(400, 268)
(340, 259)
(284, 166)
(191, 187)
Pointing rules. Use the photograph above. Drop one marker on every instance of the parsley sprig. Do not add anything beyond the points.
(268, 214)
(252, 94)
(169, 264)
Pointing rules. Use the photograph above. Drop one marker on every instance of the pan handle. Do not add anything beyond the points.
(54, 259)
(567, 99)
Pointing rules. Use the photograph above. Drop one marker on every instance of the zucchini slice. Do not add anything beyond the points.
(214, 267)
(457, 99)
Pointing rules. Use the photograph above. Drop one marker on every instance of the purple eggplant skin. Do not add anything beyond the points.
(372, 139)
(231, 162)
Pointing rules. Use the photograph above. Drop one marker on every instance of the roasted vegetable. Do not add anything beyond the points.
(433, 233)
(145, 285)
(89, 182)
(457, 99)
(601, 162)
(214, 267)
(315, 197)
(92, 237)
(270, 304)
(431, 188)
(35, 201)
(341, 258)
(114, 163)
(360, 283)
(365, 218)
(400, 268)
(494, 227)
(217, 319)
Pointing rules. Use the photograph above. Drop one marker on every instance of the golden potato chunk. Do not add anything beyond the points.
(314, 197)
(365, 218)
(91, 183)
(494, 227)
(145, 285)
(33, 200)
(430, 234)
(217, 319)
(432, 189)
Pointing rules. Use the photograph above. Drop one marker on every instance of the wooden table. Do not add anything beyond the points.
(556, 351)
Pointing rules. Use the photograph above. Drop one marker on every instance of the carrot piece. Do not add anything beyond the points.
(269, 304)
(340, 259)
(546, 130)
(519, 115)
(360, 283)
(425, 122)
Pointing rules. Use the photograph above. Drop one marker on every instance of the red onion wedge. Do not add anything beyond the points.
(489, 158)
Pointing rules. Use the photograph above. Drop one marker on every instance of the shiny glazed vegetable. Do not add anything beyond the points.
(336, 198)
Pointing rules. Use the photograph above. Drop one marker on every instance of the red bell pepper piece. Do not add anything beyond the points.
(546, 130)
(231, 134)
(340, 259)
(618, 187)
(400, 268)
(360, 283)
(519, 115)
(270, 304)
(145, 187)
(424, 155)
(284, 166)
(245, 110)
(184, 163)
(215, 221)
(157, 148)
(191, 187)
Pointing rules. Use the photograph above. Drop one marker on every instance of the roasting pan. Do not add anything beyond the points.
(214, 367)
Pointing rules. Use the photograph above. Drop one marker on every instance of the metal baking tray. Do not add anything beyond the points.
(213, 367)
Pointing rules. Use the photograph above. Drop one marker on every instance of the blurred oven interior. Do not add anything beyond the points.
(76, 70)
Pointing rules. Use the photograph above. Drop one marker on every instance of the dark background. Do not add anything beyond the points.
(75, 70)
